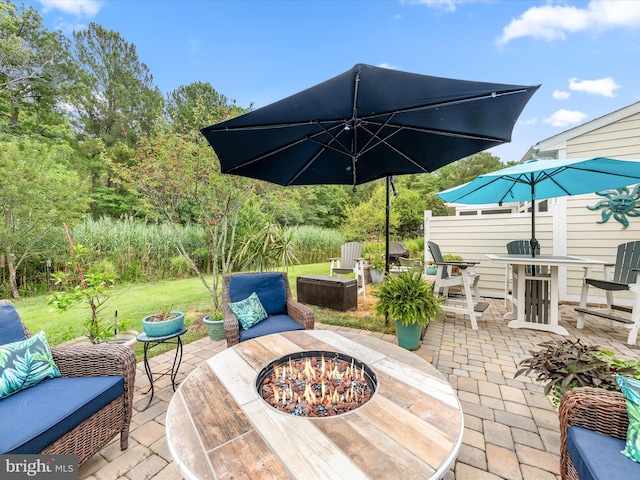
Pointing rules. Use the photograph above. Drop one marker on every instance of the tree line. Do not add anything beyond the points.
(86, 134)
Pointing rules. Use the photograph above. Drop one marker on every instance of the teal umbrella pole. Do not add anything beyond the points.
(533, 241)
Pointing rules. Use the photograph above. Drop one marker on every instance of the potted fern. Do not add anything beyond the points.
(411, 302)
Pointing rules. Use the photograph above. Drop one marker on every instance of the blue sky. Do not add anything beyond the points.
(584, 53)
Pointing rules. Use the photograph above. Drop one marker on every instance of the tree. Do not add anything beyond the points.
(191, 107)
(409, 207)
(113, 104)
(181, 180)
(34, 64)
(37, 192)
(367, 220)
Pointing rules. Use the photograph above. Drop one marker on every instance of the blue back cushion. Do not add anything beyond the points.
(269, 287)
(35, 417)
(11, 329)
(598, 457)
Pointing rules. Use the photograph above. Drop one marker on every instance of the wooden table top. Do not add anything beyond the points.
(219, 427)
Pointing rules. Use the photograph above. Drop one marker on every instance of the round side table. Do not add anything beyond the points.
(149, 343)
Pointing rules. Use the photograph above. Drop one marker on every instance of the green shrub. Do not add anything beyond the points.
(415, 246)
(180, 267)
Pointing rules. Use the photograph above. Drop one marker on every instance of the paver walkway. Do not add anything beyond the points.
(511, 428)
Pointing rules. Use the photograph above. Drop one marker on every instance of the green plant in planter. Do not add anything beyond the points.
(374, 254)
(411, 302)
(565, 364)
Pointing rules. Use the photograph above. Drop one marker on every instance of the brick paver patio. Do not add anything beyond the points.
(511, 428)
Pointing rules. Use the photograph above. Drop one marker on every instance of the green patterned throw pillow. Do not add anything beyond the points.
(25, 363)
(631, 390)
(249, 311)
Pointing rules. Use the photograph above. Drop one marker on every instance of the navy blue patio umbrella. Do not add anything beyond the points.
(365, 124)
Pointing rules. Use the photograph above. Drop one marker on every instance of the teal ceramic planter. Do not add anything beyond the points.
(163, 327)
(215, 328)
(408, 335)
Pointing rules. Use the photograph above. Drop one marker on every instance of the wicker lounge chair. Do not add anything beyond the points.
(273, 290)
(75, 364)
(597, 410)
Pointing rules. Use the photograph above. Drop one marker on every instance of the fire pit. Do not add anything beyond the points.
(220, 426)
(316, 383)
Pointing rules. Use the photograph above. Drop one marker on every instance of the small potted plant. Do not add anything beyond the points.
(375, 256)
(411, 302)
(163, 323)
(215, 325)
(431, 268)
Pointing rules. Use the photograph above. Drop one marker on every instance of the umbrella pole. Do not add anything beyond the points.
(388, 210)
(533, 242)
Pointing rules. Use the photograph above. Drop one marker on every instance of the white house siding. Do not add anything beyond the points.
(618, 140)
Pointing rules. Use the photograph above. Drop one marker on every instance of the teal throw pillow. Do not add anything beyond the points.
(249, 311)
(631, 390)
(25, 363)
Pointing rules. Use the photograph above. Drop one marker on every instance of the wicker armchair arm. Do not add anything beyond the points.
(300, 313)
(597, 409)
(94, 360)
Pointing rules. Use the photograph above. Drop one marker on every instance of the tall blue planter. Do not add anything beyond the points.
(408, 335)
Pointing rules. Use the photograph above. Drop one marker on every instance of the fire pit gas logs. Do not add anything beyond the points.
(316, 384)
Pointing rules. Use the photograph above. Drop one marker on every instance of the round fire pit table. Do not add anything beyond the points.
(218, 425)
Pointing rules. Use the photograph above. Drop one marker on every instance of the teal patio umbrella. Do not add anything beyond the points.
(545, 178)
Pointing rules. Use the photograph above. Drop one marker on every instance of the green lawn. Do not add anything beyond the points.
(135, 302)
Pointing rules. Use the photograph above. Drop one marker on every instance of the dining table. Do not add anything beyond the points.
(536, 288)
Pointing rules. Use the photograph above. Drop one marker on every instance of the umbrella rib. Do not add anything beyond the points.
(446, 103)
(384, 141)
(445, 133)
(294, 143)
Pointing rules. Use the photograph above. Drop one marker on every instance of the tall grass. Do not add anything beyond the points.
(139, 251)
(316, 244)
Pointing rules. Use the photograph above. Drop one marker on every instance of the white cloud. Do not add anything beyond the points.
(602, 86)
(560, 95)
(564, 118)
(79, 8)
(554, 22)
(446, 5)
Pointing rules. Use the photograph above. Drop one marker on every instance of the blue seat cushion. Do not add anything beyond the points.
(597, 456)
(11, 329)
(269, 287)
(273, 324)
(34, 418)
